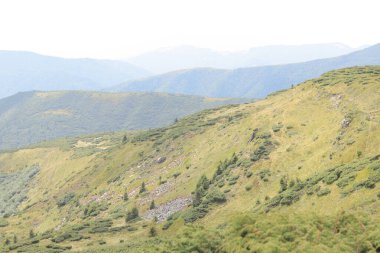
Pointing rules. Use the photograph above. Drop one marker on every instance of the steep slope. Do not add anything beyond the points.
(254, 82)
(298, 171)
(31, 117)
(25, 71)
(185, 57)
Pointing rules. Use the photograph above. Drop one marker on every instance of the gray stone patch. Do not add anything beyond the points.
(162, 212)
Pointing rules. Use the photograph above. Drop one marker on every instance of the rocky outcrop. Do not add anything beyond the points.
(161, 159)
(346, 122)
(162, 212)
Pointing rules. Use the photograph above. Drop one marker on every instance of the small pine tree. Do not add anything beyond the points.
(125, 196)
(152, 232)
(152, 205)
(125, 139)
(292, 183)
(201, 190)
(31, 234)
(142, 189)
(14, 239)
(7, 241)
(283, 184)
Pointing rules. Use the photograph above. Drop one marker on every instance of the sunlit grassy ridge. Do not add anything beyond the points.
(298, 171)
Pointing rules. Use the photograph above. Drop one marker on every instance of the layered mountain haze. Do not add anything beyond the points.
(298, 171)
(186, 57)
(25, 71)
(254, 82)
(31, 117)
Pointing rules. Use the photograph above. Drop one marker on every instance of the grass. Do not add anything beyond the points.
(330, 202)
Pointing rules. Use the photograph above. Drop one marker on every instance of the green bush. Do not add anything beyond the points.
(215, 196)
(94, 209)
(167, 225)
(132, 214)
(195, 213)
(152, 205)
(200, 190)
(277, 128)
(323, 192)
(142, 188)
(66, 199)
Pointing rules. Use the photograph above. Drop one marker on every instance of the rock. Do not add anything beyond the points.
(346, 122)
(164, 211)
(336, 100)
(161, 159)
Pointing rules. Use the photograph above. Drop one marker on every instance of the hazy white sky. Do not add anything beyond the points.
(120, 28)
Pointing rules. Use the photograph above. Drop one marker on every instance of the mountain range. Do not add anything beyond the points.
(256, 82)
(25, 71)
(187, 57)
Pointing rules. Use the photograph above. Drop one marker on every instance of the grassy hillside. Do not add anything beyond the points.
(256, 82)
(298, 171)
(31, 117)
(25, 71)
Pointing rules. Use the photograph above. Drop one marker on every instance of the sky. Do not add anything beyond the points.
(117, 29)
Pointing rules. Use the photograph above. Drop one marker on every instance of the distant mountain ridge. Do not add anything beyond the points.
(256, 82)
(25, 71)
(31, 117)
(185, 57)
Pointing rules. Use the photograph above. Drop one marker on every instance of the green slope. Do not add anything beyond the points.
(298, 171)
(31, 117)
(255, 82)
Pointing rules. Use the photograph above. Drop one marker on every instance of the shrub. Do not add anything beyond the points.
(332, 177)
(195, 213)
(201, 190)
(152, 232)
(125, 140)
(61, 238)
(289, 198)
(323, 192)
(215, 196)
(93, 209)
(132, 214)
(167, 225)
(277, 128)
(125, 196)
(66, 199)
(31, 234)
(283, 184)
(152, 205)
(142, 188)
